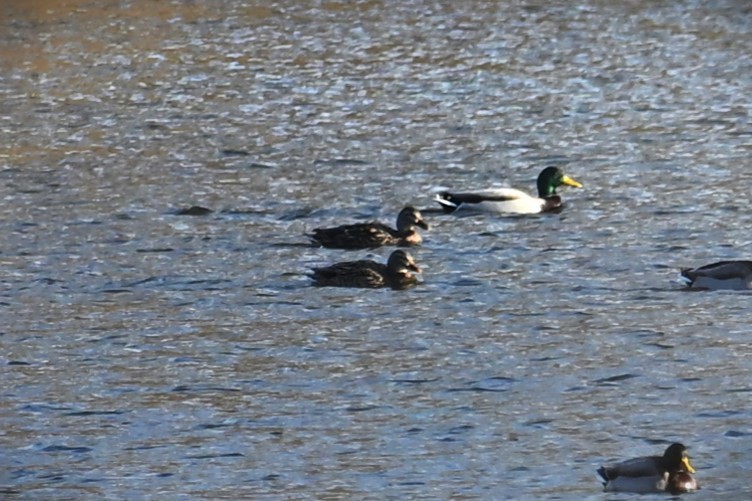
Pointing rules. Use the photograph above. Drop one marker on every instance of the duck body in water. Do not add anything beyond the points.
(396, 273)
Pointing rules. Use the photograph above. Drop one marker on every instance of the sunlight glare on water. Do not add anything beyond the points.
(153, 354)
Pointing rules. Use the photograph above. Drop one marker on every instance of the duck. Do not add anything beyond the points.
(681, 482)
(728, 275)
(671, 472)
(396, 273)
(511, 200)
(373, 234)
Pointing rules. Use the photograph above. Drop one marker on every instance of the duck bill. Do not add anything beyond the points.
(422, 224)
(413, 267)
(570, 182)
(687, 466)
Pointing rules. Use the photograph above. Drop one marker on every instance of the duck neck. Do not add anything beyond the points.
(401, 277)
(546, 190)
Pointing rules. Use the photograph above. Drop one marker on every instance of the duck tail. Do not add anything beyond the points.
(445, 200)
(603, 474)
(320, 237)
(685, 276)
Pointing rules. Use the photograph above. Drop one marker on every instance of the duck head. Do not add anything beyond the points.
(551, 178)
(409, 218)
(401, 262)
(676, 458)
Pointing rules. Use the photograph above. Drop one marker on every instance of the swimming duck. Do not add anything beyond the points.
(651, 474)
(373, 234)
(369, 274)
(732, 275)
(511, 200)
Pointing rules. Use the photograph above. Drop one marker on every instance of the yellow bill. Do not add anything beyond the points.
(570, 182)
(687, 466)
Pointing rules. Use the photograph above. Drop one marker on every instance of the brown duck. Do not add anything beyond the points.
(369, 274)
(373, 234)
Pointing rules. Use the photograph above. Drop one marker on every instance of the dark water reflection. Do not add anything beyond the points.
(151, 354)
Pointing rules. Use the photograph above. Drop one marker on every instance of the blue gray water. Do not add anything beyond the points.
(149, 355)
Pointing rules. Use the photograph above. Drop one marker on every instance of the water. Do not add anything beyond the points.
(148, 355)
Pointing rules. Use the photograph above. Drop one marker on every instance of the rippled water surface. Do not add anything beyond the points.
(152, 355)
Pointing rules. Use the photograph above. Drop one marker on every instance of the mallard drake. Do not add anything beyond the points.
(511, 200)
(733, 275)
(369, 274)
(373, 234)
(651, 474)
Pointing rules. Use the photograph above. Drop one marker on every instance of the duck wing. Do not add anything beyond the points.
(476, 197)
(724, 270)
(731, 275)
(355, 236)
(368, 274)
(504, 200)
(637, 467)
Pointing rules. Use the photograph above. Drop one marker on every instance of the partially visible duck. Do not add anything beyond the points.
(511, 200)
(373, 234)
(732, 275)
(681, 482)
(651, 474)
(369, 274)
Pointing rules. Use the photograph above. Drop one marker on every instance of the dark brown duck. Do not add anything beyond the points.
(373, 234)
(369, 274)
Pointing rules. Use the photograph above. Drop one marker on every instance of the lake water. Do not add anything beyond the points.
(151, 355)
